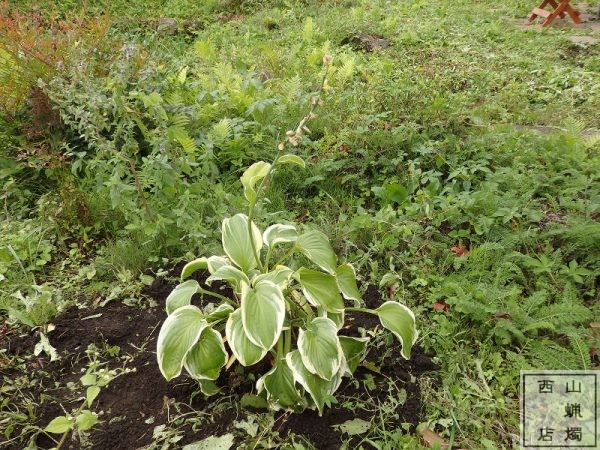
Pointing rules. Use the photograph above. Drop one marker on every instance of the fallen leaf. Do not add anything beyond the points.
(440, 306)
(431, 437)
(502, 316)
(458, 250)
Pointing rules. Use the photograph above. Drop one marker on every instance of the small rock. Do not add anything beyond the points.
(583, 40)
(265, 76)
(167, 25)
(366, 42)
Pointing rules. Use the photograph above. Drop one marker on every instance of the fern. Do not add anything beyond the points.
(290, 88)
(592, 141)
(179, 121)
(221, 131)
(174, 99)
(563, 314)
(548, 355)
(580, 347)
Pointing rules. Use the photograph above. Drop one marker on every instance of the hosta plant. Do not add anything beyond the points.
(280, 309)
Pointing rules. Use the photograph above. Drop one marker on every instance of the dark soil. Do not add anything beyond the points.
(135, 403)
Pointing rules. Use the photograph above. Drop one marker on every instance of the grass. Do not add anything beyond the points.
(469, 130)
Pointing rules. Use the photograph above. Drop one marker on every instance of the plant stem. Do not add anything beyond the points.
(287, 346)
(66, 433)
(364, 310)
(250, 235)
(214, 294)
(267, 259)
(286, 255)
(264, 182)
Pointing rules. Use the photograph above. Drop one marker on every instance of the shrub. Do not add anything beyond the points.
(276, 300)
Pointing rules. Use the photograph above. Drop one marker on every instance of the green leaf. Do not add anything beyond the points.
(224, 442)
(280, 276)
(279, 233)
(253, 175)
(292, 159)
(222, 312)
(345, 277)
(320, 348)
(205, 360)
(315, 245)
(214, 263)
(86, 420)
(354, 351)
(59, 425)
(280, 386)
(208, 387)
(320, 390)
(232, 275)
(88, 379)
(181, 295)
(253, 401)
(90, 394)
(193, 266)
(263, 313)
(401, 321)
(20, 316)
(244, 350)
(337, 317)
(354, 427)
(320, 289)
(237, 243)
(177, 336)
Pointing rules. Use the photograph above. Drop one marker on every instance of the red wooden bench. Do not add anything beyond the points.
(560, 8)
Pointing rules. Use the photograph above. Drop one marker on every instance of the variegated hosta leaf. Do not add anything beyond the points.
(246, 352)
(320, 348)
(319, 389)
(214, 263)
(291, 159)
(181, 295)
(280, 276)
(280, 386)
(205, 359)
(346, 280)
(238, 244)
(354, 351)
(320, 289)
(232, 275)
(177, 336)
(221, 312)
(337, 317)
(279, 233)
(315, 245)
(253, 175)
(193, 266)
(400, 320)
(263, 313)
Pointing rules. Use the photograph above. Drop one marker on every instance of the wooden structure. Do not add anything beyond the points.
(560, 8)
